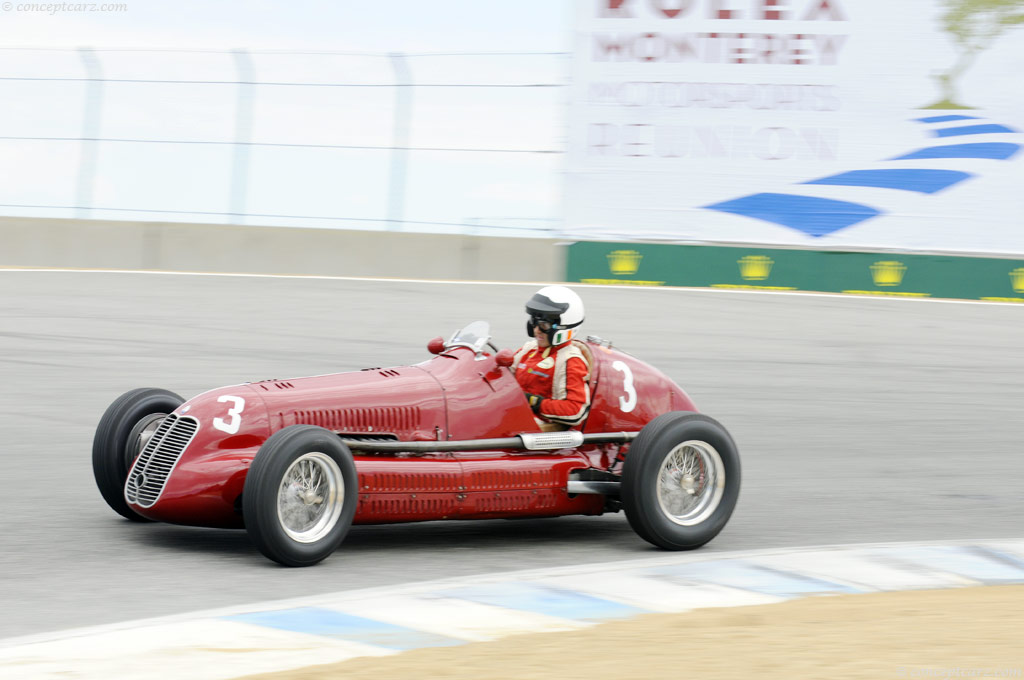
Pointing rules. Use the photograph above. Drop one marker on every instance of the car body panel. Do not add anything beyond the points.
(630, 393)
(484, 400)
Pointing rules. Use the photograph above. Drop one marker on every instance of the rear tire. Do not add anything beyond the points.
(116, 444)
(680, 480)
(300, 495)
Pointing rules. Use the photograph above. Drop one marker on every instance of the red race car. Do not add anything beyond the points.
(297, 462)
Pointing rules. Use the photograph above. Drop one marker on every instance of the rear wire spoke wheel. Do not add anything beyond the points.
(680, 480)
(691, 483)
(300, 495)
(122, 433)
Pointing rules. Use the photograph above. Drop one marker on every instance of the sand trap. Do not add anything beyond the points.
(969, 632)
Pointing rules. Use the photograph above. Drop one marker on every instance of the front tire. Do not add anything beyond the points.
(300, 495)
(119, 439)
(680, 480)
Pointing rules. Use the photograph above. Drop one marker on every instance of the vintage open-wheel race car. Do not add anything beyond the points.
(297, 462)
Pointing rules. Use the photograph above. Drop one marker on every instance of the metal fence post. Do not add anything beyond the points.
(244, 105)
(91, 120)
(400, 137)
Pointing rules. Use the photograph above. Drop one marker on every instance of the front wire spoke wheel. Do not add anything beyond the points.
(300, 495)
(311, 497)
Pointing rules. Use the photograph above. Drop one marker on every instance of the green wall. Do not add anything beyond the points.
(890, 274)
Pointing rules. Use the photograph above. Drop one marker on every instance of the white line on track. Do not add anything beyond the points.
(711, 291)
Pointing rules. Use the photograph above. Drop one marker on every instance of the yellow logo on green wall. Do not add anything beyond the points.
(755, 267)
(624, 262)
(1017, 279)
(888, 272)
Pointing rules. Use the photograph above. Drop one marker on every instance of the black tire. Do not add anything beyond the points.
(295, 545)
(115, 446)
(650, 507)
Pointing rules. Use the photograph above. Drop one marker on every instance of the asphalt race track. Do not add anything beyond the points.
(858, 420)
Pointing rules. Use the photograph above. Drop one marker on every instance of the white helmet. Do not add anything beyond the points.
(558, 306)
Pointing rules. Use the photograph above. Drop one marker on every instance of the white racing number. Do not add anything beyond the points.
(234, 414)
(628, 402)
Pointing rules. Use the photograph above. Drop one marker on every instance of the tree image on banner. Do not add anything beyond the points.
(974, 25)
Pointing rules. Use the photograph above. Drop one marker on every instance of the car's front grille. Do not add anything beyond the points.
(148, 476)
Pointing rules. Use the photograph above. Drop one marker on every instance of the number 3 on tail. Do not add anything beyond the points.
(235, 413)
(628, 402)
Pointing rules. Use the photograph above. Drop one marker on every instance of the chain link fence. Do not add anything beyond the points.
(456, 143)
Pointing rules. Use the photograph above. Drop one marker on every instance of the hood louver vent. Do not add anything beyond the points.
(384, 372)
(387, 419)
(279, 384)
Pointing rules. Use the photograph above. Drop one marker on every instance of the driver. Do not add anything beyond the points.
(551, 370)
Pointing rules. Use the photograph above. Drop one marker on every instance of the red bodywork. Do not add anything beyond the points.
(456, 395)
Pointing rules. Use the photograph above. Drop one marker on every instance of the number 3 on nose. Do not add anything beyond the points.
(628, 402)
(235, 414)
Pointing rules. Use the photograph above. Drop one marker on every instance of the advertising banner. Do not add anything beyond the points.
(751, 268)
(825, 124)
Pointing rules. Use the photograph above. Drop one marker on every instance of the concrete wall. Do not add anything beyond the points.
(35, 242)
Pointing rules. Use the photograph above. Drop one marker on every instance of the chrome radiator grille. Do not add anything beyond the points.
(148, 476)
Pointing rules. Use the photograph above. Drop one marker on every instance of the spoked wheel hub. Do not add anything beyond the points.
(691, 481)
(311, 497)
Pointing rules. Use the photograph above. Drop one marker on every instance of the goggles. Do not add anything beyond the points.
(543, 324)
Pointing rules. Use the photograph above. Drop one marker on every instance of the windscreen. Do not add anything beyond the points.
(474, 336)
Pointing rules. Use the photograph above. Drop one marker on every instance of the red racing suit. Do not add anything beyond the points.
(558, 374)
